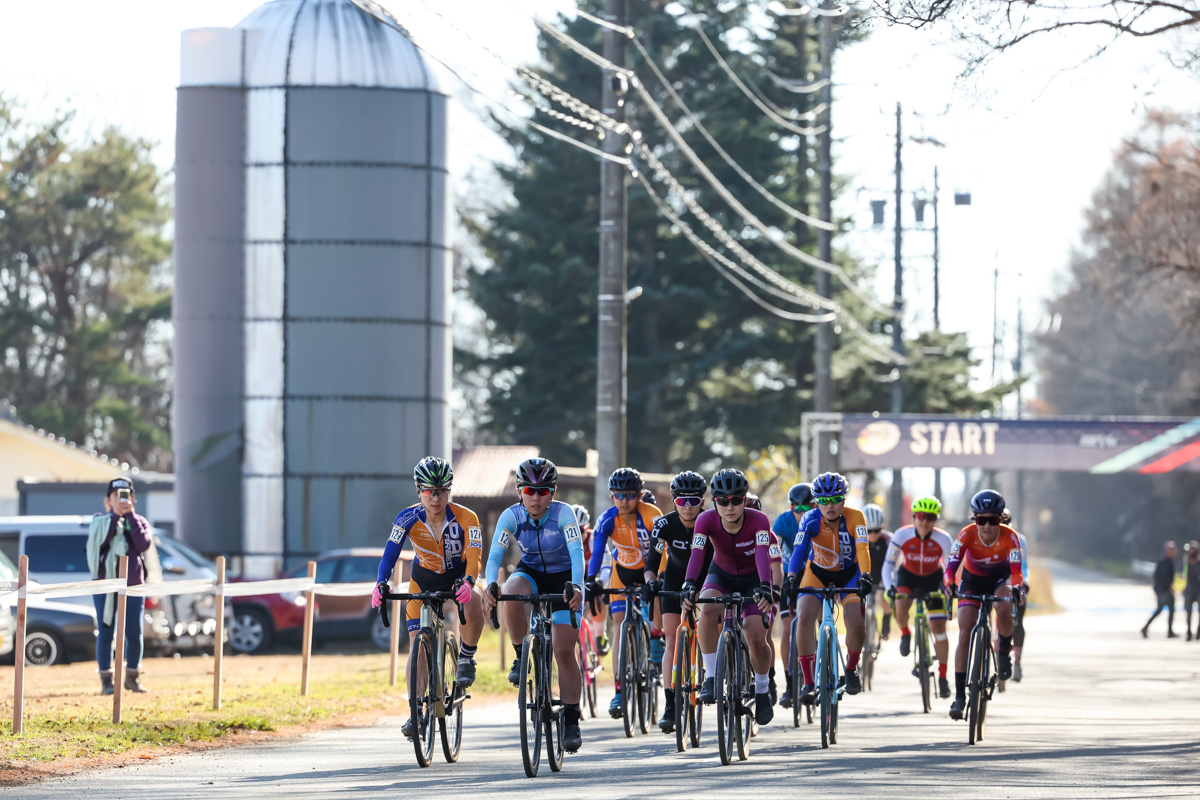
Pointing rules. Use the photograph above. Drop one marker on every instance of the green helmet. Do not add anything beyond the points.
(432, 472)
(930, 505)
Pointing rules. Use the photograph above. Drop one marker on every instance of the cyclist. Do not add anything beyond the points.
(547, 532)
(878, 539)
(923, 548)
(1019, 628)
(741, 562)
(832, 549)
(626, 525)
(786, 526)
(648, 497)
(594, 621)
(1191, 584)
(672, 535)
(448, 548)
(990, 555)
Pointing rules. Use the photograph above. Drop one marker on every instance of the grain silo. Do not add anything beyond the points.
(312, 303)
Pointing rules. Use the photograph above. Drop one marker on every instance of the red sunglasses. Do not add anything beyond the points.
(536, 491)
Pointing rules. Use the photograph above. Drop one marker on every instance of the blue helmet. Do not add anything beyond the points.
(989, 501)
(829, 484)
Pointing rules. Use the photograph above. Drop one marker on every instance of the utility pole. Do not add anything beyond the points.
(611, 322)
(897, 499)
(937, 322)
(1020, 516)
(823, 397)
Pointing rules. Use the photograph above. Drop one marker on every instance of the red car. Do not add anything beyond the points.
(261, 620)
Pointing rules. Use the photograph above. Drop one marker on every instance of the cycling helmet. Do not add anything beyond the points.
(432, 472)
(753, 501)
(625, 479)
(688, 484)
(930, 505)
(800, 494)
(648, 497)
(540, 473)
(582, 516)
(989, 501)
(829, 484)
(729, 483)
(873, 514)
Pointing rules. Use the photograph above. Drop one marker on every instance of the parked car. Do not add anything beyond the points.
(56, 632)
(259, 621)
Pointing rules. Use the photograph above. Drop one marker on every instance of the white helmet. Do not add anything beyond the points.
(874, 516)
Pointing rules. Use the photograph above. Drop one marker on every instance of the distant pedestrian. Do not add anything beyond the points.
(119, 532)
(1191, 585)
(1164, 590)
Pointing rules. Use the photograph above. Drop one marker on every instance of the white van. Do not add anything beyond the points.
(56, 546)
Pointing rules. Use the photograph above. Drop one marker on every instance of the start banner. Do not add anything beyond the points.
(1075, 444)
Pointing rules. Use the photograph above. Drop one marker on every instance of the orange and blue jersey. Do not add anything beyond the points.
(629, 541)
(457, 548)
(977, 558)
(839, 547)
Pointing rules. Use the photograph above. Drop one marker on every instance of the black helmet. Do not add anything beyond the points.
(830, 484)
(989, 501)
(729, 483)
(648, 496)
(625, 479)
(432, 472)
(688, 484)
(800, 494)
(540, 473)
(753, 501)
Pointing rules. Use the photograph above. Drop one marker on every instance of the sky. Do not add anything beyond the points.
(1030, 140)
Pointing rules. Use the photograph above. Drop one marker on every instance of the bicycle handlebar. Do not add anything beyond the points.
(982, 598)
(735, 599)
(567, 594)
(424, 597)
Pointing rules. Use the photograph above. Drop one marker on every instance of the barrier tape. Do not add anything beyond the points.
(265, 587)
(360, 589)
(9, 592)
(195, 586)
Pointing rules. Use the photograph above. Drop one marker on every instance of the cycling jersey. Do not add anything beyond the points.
(921, 556)
(832, 547)
(742, 553)
(983, 560)
(631, 541)
(775, 550)
(879, 549)
(550, 544)
(1024, 557)
(786, 526)
(671, 537)
(457, 547)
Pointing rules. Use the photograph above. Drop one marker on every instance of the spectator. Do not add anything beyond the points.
(1164, 590)
(119, 532)
(1191, 583)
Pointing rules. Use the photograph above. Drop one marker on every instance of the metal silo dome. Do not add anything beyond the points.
(312, 280)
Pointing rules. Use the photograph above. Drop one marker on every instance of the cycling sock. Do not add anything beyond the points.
(806, 667)
(887, 624)
(617, 686)
(1016, 651)
(762, 682)
(710, 663)
(852, 659)
(467, 650)
(571, 713)
(1005, 644)
(517, 649)
(787, 678)
(960, 685)
(942, 668)
(906, 631)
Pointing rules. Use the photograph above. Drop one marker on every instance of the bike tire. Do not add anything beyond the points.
(826, 686)
(871, 648)
(552, 711)
(422, 697)
(978, 656)
(685, 693)
(747, 728)
(923, 670)
(985, 696)
(450, 725)
(698, 676)
(587, 668)
(797, 678)
(726, 690)
(529, 703)
(627, 674)
(645, 680)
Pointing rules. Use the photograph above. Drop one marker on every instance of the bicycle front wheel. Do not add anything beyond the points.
(975, 683)
(685, 696)
(797, 679)
(697, 681)
(826, 686)
(747, 728)
(552, 711)
(922, 670)
(587, 673)
(529, 702)
(422, 696)
(627, 675)
(646, 694)
(727, 691)
(450, 724)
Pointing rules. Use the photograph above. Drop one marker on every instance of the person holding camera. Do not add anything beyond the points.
(120, 531)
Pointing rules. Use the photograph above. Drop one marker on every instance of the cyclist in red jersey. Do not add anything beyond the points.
(990, 555)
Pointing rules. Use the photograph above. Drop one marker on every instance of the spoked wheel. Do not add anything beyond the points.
(697, 681)
(685, 695)
(825, 688)
(923, 674)
(727, 691)
(627, 675)
(529, 702)
(422, 697)
(450, 725)
(747, 728)
(975, 688)
(587, 673)
(646, 694)
(552, 713)
(797, 680)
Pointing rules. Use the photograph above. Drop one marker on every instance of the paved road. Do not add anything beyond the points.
(1102, 713)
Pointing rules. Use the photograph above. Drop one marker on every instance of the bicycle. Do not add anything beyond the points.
(922, 639)
(434, 695)
(829, 661)
(590, 665)
(983, 670)
(688, 678)
(800, 711)
(537, 694)
(870, 651)
(639, 677)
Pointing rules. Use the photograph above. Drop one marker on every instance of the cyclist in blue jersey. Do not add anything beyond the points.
(785, 527)
(551, 560)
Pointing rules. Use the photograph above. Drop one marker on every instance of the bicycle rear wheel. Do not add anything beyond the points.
(627, 675)
(685, 696)
(450, 725)
(587, 672)
(727, 696)
(797, 678)
(552, 711)
(976, 676)
(421, 696)
(826, 686)
(923, 674)
(529, 702)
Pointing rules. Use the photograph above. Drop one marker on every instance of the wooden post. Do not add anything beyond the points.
(394, 636)
(19, 649)
(219, 636)
(119, 643)
(306, 649)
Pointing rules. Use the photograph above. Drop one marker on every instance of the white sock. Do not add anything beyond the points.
(710, 663)
(762, 682)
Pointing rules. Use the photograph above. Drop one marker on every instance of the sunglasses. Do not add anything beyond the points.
(536, 491)
(726, 501)
(688, 502)
(831, 501)
(436, 493)
(925, 515)
(802, 507)
(987, 520)
(627, 495)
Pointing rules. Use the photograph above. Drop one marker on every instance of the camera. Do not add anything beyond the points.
(123, 495)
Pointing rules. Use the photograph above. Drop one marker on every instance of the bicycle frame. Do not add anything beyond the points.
(688, 710)
(635, 631)
(829, 660)
(736, 721)
(981, 682)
